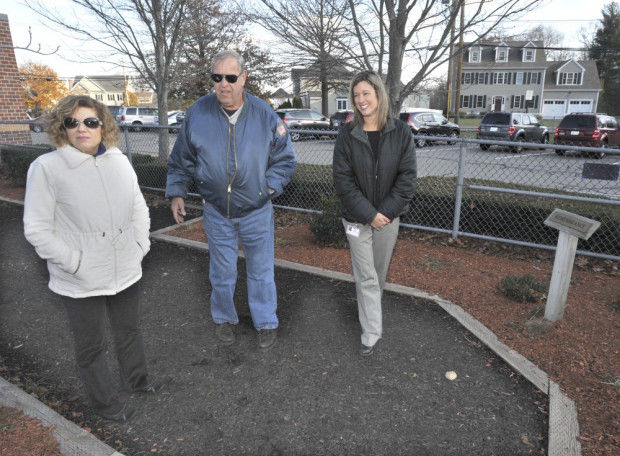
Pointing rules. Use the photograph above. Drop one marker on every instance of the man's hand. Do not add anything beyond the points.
(379, 221)
(178, 209)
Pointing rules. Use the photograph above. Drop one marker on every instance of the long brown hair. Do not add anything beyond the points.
(375, 81)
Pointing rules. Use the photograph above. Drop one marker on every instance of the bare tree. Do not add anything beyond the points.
(552, 40)
(210, 28)
(417, 33)
(146, 32)
(29, 46)
(316, 30)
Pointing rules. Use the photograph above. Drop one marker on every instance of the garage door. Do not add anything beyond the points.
(580, 106)
(554, 108)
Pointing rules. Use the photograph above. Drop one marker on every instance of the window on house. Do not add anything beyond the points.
(535, 78)
(475, 55)
(518, 103)
(119, 96)
(500, 78)
(110, 97)
(519, 79)
(342, 104)
(465, 101)
(529, 55)
(481, 77)
(99, 96)
(570, 78)
(501, 55)
(466, 78)
(480, 101)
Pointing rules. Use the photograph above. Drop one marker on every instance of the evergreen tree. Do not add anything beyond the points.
(605, 50)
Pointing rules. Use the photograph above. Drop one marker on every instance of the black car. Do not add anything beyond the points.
(518, 127)
(306, 119)
(430, 123)
(340, 117)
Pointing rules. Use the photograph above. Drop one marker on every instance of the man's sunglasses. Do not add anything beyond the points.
(90, 122)
(230, 78)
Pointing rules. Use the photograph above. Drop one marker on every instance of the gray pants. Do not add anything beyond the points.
(87, 318)
(371, 252)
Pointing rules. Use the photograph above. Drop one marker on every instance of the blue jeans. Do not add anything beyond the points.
(255, 231)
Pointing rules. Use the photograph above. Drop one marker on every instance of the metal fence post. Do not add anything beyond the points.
(127, 147)
(459, 191)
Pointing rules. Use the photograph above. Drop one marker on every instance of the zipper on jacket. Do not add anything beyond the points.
(107, 199)
(231, 178)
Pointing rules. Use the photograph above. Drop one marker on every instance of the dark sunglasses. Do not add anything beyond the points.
(231, 78)
(90, 122)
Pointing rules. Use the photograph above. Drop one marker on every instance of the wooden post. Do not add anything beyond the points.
(572, 227)
(560, 277)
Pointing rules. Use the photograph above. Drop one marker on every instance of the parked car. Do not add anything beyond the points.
(338, 118)
(136, 117)
(587, 129)
(429, 123)
(518, 127)
(36, 124)
(180, 117)
(306, 119)
(114, 110)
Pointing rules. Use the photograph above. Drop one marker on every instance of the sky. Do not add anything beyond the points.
(567, 16)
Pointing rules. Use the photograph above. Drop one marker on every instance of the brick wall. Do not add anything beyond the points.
(11, 104)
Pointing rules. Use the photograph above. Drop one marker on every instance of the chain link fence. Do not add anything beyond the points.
(463, 190)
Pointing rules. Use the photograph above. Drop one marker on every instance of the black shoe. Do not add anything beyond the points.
(224, 333)
(155, 385)
(267, 337)
(365, 350)
(118, 412)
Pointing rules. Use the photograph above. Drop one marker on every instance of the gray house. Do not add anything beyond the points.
(515, 76)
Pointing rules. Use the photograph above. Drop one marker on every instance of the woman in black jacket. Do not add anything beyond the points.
(374, 175)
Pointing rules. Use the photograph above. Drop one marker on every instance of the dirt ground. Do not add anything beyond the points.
(580, 352)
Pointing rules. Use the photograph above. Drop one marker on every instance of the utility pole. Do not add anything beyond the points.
(450, 59)
(457, 97)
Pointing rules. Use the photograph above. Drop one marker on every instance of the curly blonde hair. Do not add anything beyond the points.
(67, 106)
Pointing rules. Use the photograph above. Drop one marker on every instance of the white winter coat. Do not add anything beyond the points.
(86, 216)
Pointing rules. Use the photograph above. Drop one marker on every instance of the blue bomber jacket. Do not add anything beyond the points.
(234, 166)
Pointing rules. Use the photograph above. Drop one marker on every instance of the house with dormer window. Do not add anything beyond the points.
(515, 76)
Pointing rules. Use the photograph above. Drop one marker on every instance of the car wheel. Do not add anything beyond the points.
(295, 136)
(136, 126)
(544, 140)
(560, 152)
(37, 128)
(519, 147)
(453, 135)
(484, 147)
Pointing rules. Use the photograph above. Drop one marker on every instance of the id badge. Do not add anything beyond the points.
(353, 230)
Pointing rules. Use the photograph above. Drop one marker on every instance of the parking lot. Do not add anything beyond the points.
(537, 167)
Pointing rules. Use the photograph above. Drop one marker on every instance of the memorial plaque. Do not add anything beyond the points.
(570, 223)
(601, 171)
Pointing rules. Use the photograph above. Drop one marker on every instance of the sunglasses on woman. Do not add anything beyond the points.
(90, 122)
(231, 78)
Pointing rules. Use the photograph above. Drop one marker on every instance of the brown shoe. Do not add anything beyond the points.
(267, 337)
(224, 333)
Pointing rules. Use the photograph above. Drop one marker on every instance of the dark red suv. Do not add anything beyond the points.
(587, 129)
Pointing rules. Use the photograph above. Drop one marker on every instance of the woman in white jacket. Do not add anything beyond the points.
(84, 213)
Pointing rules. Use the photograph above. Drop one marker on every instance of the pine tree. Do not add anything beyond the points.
(605, 50)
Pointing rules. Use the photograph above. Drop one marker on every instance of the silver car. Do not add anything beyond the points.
(136, 117)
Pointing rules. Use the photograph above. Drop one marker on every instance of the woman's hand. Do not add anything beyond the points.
(379, 221)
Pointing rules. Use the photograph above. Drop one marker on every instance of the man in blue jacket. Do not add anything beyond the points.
(240, 156)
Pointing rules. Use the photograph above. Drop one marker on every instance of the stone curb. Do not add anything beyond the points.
(563, 422)
(72, 439)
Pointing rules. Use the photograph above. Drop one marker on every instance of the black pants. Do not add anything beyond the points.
(87, 318)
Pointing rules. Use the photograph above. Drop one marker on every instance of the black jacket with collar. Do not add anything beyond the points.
(365, 186)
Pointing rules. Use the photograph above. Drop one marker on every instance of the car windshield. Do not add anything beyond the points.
(577, 122)
(496, 118)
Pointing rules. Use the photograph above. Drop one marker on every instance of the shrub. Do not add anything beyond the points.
(524, 288)
(16, 160)
(327, 226)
